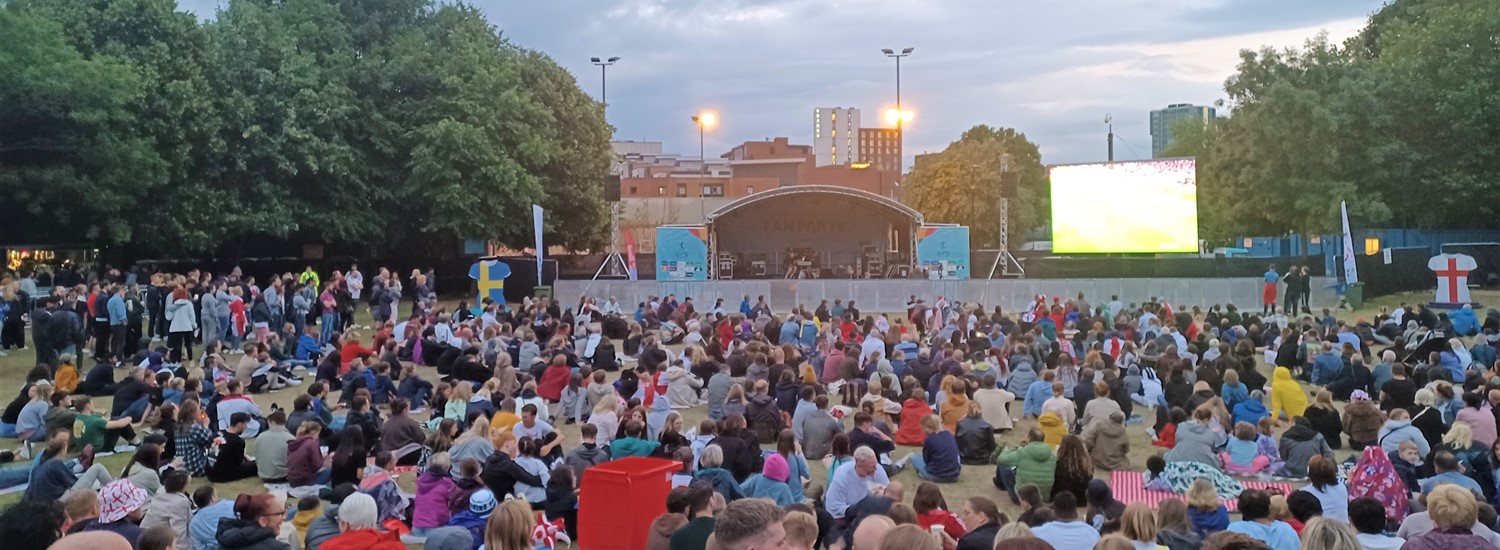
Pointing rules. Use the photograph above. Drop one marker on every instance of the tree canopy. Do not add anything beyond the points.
(1399, 121)
(961, 184)
(365, 121)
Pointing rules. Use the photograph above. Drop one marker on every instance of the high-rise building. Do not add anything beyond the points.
(1163, 120)
(881, 148)
(835, 136)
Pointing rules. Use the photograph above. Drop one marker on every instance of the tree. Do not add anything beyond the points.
(72, 160)
(962, 184)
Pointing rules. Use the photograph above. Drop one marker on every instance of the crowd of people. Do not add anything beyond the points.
(475, 400)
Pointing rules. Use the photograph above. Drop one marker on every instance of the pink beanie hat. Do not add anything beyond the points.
(776, 468)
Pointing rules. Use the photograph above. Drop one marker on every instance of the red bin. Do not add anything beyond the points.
(619, 499)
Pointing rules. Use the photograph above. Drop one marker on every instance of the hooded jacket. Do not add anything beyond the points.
(1108, 445)
(303, 460)
(763, 416)
(1362, 421)
(1035, 464)
(1250, 411)
(584, 456)
(659, 535)
(237, 534)
(1053, 428)
(501, 473)
(909, 432)
(322, 529)
(1287, 397)
(430, 506)
(1197, 442)
(722, 481)
(1298, 445)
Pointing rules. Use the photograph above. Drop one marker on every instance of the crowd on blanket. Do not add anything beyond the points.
(946, 380)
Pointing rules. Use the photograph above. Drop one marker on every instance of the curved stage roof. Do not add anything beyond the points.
(792, 191)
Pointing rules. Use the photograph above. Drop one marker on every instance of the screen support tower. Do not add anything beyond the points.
(613, 262)
(1004, 259)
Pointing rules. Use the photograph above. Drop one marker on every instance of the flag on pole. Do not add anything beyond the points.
(1351, 272)
(630, 255)
(536, 221)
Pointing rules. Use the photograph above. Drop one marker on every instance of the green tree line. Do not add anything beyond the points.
(1401, 121)
(369, 121)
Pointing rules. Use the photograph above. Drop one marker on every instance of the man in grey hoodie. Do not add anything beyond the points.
(1197, 441)
(718, 392)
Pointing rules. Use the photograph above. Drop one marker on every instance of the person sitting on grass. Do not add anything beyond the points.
(232, 464)
(939, 461)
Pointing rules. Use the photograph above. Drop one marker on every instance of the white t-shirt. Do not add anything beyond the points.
(540, 430)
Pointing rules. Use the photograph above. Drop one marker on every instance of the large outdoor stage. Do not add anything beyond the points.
(891, 295)
(812, 232)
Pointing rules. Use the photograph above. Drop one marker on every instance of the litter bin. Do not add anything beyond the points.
(1355, 295)
(544, 291)
(619, 499)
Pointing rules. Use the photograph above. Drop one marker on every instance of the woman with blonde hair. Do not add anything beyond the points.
(606, 417)
(1014, 530)
(1322, 533)
(510, 526)
(1471, 453)
(1207, 512)
(1138, 524)
(955, 405)
(505, 375)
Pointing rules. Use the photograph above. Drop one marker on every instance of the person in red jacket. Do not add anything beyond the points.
(912, 412)
(350, 351)
(554, 379)
(359, 529)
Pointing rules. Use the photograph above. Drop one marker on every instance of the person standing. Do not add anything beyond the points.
(356, 283)
(1268, 292)
(1293, 291)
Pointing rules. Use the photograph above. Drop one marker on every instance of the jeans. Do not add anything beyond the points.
(16, 474)
(1005, 480)
(7, 430)
(328, 325)
(299, 324)
(136, 410)
(117, 335)
(921, 466)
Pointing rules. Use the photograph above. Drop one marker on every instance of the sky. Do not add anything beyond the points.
(1052, 69)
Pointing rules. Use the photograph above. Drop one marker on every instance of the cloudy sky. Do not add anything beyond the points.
(1050, 68)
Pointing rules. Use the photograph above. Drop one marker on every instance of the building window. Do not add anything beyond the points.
(661, 190)
(632, 190)
(1372, 246)
(713, 190)
(682, 189)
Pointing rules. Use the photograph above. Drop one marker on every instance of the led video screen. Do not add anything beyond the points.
(1141, 207)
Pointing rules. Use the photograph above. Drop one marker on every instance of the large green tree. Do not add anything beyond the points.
(962, 184)
(74, 164)
(1398, 121)
(364, 121)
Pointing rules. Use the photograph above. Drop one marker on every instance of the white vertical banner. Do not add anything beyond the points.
(1351, 272)
(536, 221)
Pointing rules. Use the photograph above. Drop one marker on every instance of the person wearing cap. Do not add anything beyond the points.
(121, 507)
(481, 504)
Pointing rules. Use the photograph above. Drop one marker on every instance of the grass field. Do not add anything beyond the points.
(974, 481)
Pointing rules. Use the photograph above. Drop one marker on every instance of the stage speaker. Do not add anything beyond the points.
(612, 188)
(1009, 181)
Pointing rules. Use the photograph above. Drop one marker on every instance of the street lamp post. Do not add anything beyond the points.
(704, 121)
(901, 115)
(604, 78)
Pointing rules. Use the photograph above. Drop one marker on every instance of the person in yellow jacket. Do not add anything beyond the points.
(309, 276)
(1054, 428)
(1288, 400)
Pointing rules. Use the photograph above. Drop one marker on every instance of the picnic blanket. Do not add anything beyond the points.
(1130, 487)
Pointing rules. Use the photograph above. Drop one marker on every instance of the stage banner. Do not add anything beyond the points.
(682, 253)
(943, 252)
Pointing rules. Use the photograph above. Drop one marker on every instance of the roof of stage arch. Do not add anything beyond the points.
(794, 190)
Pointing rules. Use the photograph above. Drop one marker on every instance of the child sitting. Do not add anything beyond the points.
(1154, 481)
(1242, 454)
(1266, 441)
(382, 390)
(1167, 437)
